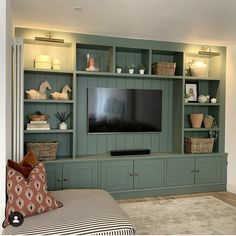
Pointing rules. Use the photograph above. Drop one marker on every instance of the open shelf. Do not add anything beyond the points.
(196, 78)
(198, 129)
(201, 104)
(64, 139)
(169, 56)
(206, 110)
(51, 131)
(126, 57)
(103, 56)
(49, 71)
(212, 61)
(47, 101)
(60, 51)
(34, 78)
(107, 74)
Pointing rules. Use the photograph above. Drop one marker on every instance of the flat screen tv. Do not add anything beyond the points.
(124, 110)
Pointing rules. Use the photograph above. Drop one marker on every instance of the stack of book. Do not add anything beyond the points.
(38, 125)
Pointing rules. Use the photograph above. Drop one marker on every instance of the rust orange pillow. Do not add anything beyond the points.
(26, 165)
(24, 170)
(28, 196)
(29, 159)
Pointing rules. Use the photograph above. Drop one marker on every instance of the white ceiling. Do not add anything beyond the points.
(195, 21)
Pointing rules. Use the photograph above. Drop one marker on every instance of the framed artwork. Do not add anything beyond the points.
(191, 92)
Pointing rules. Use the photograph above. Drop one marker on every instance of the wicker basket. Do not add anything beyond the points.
(44, 150)
(163, 68)
(198, 144)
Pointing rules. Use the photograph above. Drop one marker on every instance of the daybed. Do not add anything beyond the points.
(84, 211)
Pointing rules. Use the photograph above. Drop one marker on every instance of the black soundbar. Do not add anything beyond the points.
(130, 152)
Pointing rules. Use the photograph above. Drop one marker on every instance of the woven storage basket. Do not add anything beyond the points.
(163, 68)
(198, 145)
(44, 150)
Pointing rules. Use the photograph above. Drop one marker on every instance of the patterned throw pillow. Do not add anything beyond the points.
(28, 196)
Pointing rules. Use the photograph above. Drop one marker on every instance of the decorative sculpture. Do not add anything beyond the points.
(41, 94)
(63, 95)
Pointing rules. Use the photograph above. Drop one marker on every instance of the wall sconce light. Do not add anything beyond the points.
(49, 38)
(207, 51)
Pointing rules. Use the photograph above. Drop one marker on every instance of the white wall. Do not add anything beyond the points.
(230, 143)
(3, 105)
(5, 96)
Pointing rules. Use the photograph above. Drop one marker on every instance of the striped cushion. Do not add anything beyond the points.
(85, 211)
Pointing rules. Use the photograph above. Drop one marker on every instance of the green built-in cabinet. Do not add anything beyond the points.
(141, 176)
(72, 168)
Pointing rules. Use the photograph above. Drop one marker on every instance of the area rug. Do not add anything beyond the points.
(197, 215)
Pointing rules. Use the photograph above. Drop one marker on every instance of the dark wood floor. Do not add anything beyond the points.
(227, 197)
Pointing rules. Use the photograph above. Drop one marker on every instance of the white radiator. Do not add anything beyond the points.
(18, 100)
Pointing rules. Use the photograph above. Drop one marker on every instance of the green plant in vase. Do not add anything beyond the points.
(118, 69)
(131, 68)
(141, 69)
(63, 117)
(213, 132)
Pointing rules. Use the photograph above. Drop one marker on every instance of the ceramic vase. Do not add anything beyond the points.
(118, 70)
(141, 71)
(63, 125)
(196, 120)
(131, 71)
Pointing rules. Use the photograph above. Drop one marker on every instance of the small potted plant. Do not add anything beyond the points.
(141, 69)
(131, 68)
(62, 117)
(118, 69)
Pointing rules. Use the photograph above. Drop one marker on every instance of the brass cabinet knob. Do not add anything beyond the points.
(59, 180)
(65, 179)
(136, 174)
(131, 174)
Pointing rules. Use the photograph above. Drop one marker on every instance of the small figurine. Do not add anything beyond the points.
(41, 94)
(63, 95)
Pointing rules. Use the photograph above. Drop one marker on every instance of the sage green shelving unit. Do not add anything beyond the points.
(84, 160)
(57, 79)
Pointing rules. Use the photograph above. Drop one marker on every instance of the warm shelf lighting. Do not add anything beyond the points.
(49, 38)
(207, 51)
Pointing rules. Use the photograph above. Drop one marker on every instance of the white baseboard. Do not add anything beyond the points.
(231, 188)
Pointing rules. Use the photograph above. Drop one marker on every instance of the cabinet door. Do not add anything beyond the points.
(180, 171)
(117, 175)
(80, 175)
(208, 170)
(54, 176)
(149, 173)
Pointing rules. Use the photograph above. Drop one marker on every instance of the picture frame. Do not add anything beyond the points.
(191, 92)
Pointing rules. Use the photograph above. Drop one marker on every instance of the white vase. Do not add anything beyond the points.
(118, 70)
(63, 125)
(131, 71)
(198, 68)
(141, 71)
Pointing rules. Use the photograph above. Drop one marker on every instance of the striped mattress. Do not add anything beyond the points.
(84, 211)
